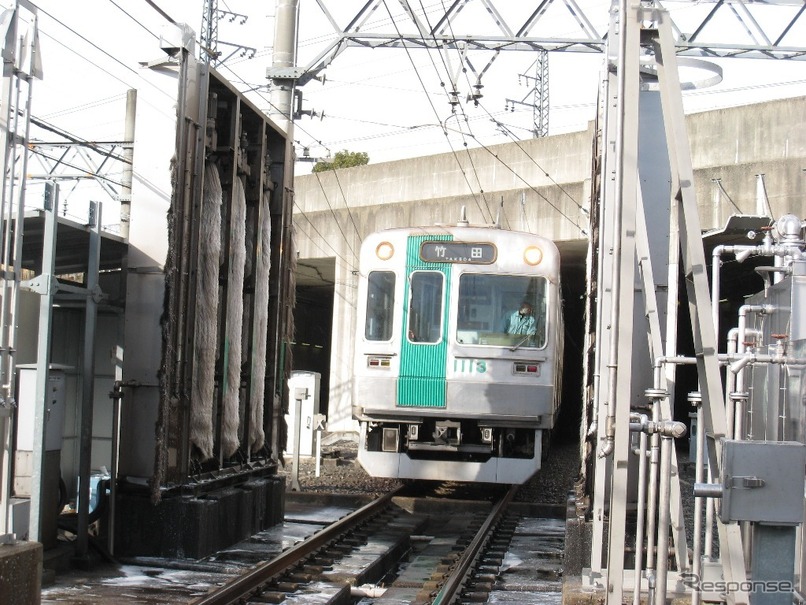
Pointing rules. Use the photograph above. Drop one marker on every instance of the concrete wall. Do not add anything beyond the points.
(544, 186)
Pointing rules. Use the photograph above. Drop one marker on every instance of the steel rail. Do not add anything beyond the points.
(453, 585)
(245, 585)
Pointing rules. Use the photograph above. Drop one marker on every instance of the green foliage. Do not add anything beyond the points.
(343, 159)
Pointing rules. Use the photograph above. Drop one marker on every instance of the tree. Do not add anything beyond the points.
(343, 159)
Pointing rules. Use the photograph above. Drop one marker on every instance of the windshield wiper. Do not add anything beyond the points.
(523, 340)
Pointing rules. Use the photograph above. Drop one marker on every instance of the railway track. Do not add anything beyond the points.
(270, 582)
(453, 543)
(421, 551)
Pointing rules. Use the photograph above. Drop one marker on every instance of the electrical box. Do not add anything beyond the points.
(763, 481)
(305, 387)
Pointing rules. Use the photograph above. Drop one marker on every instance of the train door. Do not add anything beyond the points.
(424, 351)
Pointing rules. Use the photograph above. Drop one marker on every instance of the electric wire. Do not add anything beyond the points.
(61, 161)
(529, 185)
(333, 213)
(78, 140)
(517, 142)
(165, 15)
(511, 135)
(85, 106)
(464, 115)
(327, 201)
(129, 15)
(436, 113)
(300, 212)
(344, 197)
(93, 63)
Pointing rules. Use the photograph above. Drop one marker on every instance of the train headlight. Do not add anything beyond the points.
(533, 255)
(385, 251)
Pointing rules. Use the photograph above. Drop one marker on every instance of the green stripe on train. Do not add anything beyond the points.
(422, 366)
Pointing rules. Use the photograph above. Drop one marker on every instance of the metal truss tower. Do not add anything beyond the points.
(538, 96)
(208, 51)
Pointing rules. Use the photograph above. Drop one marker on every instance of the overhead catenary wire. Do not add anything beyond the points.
(333, 213)
(346, 205)
(529, 185)
(96, 47)
(335, 252)
(436, 113)
(461, 108)
(517, 142)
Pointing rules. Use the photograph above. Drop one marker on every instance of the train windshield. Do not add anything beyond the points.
(380, 305)
(502, 310)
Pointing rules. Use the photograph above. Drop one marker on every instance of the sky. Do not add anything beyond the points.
(389, 103)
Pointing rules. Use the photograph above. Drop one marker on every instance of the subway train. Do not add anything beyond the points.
(458, 353)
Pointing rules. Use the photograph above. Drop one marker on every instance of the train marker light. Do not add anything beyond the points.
(486, 435)
(385, 251)
(529, 369)
(533, 255)
(379, 362)
(414, 432)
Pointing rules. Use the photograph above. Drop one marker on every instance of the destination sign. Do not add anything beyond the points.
(458, 252)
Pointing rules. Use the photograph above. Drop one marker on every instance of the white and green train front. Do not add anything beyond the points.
(443, 389)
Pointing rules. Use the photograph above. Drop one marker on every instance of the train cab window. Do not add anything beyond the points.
(502, 310)
(380, 305)
(425, 308)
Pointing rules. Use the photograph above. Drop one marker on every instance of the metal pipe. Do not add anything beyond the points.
(652, 503)
(741, 253)
(117, 396)
(615, 274)
(709, 518)
(640, 513)
(741, 345)
(782, 413)
(669, 430)
(730, 385)
(699, 472)
(716, 265)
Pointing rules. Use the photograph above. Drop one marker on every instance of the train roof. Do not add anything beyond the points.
(462, 230)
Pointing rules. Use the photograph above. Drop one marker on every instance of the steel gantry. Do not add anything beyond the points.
(713, 29)
(643, 170)
(641, 40)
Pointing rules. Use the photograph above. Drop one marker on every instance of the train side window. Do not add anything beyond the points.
(380, 305)
(425, 308)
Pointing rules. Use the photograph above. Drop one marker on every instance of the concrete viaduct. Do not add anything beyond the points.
(538, 185)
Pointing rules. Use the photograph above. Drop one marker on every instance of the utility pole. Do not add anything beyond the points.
(284, 71)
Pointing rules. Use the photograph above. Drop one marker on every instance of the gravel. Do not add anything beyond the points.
(340, 473)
